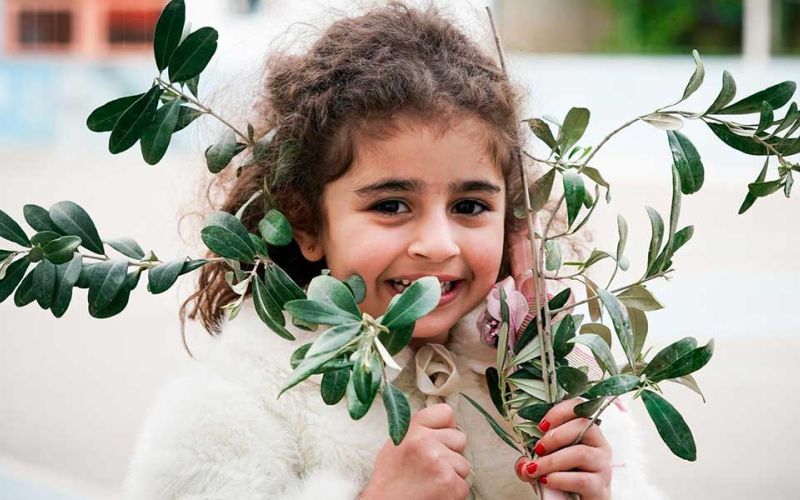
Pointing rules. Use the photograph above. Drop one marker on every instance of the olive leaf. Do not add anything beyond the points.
(670, 425)
(193, 55)
(169, 29)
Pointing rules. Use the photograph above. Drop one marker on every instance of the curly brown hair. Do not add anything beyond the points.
(358, 77)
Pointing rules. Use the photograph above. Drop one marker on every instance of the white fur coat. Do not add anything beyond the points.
(219, 431)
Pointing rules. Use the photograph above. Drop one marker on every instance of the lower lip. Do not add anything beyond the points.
(445, 298)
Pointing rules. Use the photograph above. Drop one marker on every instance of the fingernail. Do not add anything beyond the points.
(520, 464)
(539, 449)
(544, 426)
(531, 467)
(543, 479)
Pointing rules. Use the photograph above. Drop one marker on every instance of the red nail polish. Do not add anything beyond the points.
(543, 479)
(544, 426)
(531, 467)
(539, 449)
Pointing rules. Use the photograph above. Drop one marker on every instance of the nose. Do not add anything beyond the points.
(434, 240)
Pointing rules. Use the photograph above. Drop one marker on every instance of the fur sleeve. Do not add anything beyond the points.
(206, 438)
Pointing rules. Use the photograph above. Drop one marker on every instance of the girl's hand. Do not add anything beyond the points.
(583, 468)
(428, 464)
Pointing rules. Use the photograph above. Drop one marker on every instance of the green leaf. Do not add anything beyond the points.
(134, 121)
(593, 304)
(334, 338)
(104, 118)
(697, 78)
(225, 235)
(528, 352)
(61, 250)
(574, 126)
(44, 283)
(193, 55)
(619, 317)
(192, 84)
(275, 228)
(776, 96)
(493, 383)
(66, 276)
(657, 233)
(329, 290)
(535, 412)
(726, 94)
(572, 380)
(663, 121)
(587, 408)
(501, 433)
(788, 120)
(685, 364)
(169, 29)
(542, 130)
(156, 137)
(14, 274)
(639, 297)
(11, 231)
(192, 264)
(687, 161)
(622, 229)
(334, 385)
(259, 245)
(669, 354)
(270, 314)
(163, 276)
(670, 425)
(288, 156)
(540, 191)
(574, 193)
(564, 332)
(748, 145)
(42, 238)
(502, 344)
(528, 334)
(281, 286)
(560, 300)
(600, 350)
(357, 287)
(595, 176)
(760, 189)
(127, 247)
(355, 407)
(317, 312)
(398, 412)
(534, 387)
(598, 329)
(552, 254)
(639, 326)
(681, 237)
(73, 220)
(613, 386)
(25, 292)
(750, 198)
(186, 116)
(765, 118)
(306, 368)
(397, 338)
(105, 283)
(420, 298)
(220, 154)
(38, 218)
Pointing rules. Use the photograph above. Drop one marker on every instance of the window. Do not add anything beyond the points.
(131, 27)
(44, 29)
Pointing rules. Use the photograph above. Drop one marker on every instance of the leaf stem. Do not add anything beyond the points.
(203, 108)
(593, 420)
(616, 290)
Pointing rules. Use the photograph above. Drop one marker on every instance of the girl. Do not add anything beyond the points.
(406, 133)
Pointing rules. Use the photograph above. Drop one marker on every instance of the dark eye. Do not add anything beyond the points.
(468, 207)
(391, 207)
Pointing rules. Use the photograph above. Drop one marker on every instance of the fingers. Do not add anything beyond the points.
(454, 439)
(586, 484)
(564, 435)
(439, 416)
(461, 465)
(560, 413)
(581, 457)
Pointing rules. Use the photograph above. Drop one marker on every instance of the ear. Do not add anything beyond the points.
(309, 246)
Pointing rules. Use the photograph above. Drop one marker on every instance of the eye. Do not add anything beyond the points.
(390, 207)
(468, 207)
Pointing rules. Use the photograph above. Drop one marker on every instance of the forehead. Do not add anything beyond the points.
(436, 155)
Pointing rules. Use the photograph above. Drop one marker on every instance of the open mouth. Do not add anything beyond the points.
(401, 285)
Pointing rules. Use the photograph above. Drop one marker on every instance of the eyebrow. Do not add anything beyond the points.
(417, 185)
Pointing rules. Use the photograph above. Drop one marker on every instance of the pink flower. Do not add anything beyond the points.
(489, 320)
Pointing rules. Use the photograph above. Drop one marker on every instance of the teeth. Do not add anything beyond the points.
(401, 285)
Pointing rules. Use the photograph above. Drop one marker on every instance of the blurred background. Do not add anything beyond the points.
(75, 390)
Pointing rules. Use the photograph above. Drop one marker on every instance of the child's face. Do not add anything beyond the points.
(419, 203)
